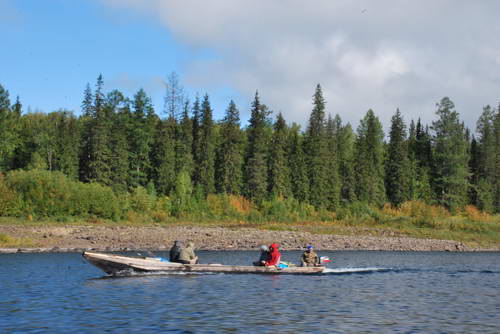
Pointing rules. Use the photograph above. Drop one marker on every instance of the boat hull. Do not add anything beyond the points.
(118, 264)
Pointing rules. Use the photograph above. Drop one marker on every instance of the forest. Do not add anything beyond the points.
(122, 159)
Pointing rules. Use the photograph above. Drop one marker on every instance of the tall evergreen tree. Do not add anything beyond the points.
(333, 127)
(68, 138)
(345, 152)
(255, 173)
(298, 165)
(229, 162)
(369, 163)
(317, 151)
(206, 163)
(100, 130)
(163, 156)
(196, 144)
(118, 110)
(279, 171)
(141, 131)
(496, 183)
(450, 157)
(184, 156)
(397, 165)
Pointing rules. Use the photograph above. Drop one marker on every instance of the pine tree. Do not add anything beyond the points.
(397, 165)
(206, 163)
(317, 151)
(279, 171)
(255, 173)
(369, 167)
(450, 157)
(298, 165)
(229, 162)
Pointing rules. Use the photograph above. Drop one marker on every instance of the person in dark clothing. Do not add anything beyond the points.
(309, 257)
(175, 251)
(274, 256)
(264, 256)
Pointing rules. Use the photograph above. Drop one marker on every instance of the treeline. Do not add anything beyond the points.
(183, 153)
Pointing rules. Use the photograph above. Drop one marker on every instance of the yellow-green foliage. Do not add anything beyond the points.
(8, 241)
(10, 202)
(52, 194)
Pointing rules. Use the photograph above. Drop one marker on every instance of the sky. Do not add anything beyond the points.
(365, 54)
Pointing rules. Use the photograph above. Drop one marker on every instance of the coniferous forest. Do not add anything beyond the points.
(120, 155)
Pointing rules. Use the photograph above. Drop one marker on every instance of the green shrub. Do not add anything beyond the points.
(52, 194)
(10, 201)
(141, 201)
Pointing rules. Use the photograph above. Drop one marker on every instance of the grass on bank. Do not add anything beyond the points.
(34, 198)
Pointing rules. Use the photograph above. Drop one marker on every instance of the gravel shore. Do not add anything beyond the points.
(116, 238)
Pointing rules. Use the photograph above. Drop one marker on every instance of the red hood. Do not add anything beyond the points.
(274, 246)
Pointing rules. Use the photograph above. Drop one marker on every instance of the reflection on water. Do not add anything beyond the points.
(361, 292)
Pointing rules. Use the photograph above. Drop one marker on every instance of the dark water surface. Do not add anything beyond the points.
(365, 292)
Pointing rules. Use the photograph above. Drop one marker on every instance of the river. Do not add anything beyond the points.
(362, 292)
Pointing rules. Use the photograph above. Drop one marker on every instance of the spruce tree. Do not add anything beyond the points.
(141, 133)
(496, 182)
(67, 143)
(163, 156)
(316, 150)
(345, 152)
(229, 162)
(206, 163)
(298, 165)
(118, 110)
(450, 157)
(196, 144)
(333, 127)
(184, 156)
(255, 173)
(279, 171)
(397, 165)
(369, 161)
(100, 132)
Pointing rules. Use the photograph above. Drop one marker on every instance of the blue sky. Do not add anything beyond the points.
(53, 48)
(382, 55)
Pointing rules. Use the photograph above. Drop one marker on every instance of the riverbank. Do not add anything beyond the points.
(159, 238)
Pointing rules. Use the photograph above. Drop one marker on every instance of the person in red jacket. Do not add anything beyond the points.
(274, 256)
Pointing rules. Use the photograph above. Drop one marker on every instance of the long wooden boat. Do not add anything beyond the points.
(113, 264)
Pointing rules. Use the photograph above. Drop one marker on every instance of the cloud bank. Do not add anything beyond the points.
(366, 54)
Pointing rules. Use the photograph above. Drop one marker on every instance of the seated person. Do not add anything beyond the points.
(175, 251)
(274, 256)
(309, 258)
(264, 256)
(187, 256)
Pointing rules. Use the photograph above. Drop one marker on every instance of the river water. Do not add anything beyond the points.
(362, 292)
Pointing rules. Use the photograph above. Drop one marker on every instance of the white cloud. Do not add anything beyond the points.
(366, 54)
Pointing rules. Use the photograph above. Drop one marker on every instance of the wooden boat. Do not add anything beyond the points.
(118, 265)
